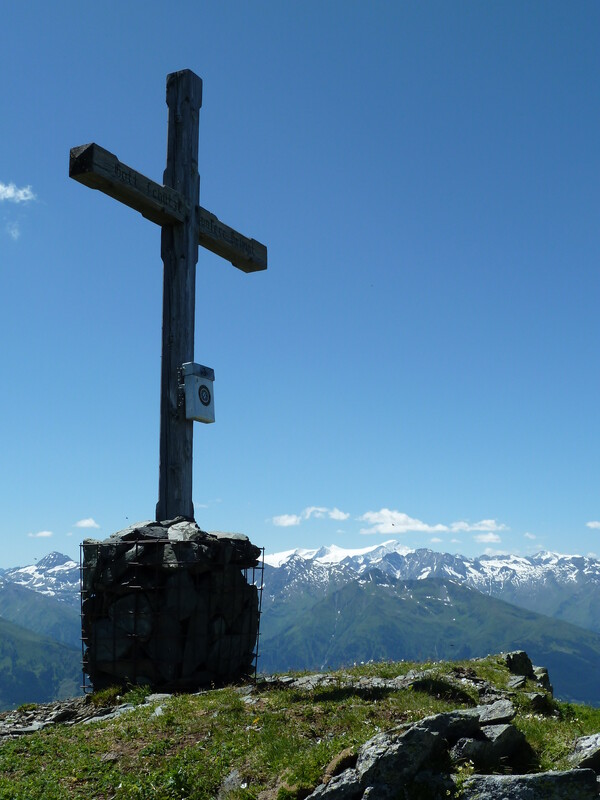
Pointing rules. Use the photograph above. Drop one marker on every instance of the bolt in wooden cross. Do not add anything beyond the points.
(185, 224)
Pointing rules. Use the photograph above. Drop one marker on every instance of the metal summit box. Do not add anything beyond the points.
(199, 394)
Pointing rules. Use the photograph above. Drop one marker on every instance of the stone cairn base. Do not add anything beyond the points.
(166, 605)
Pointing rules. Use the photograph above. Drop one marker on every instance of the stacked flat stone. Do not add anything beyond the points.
(167, 605)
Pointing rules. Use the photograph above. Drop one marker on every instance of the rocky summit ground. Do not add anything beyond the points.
(484, 729)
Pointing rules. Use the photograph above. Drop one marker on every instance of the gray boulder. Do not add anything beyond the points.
(587, 752)
(543, 679)
(415, 760)
(519, 663)
(497, 747)
(517, 682)
(385, 763)
(392, 761)
(541, 702)
(572, 785)
(496, 713)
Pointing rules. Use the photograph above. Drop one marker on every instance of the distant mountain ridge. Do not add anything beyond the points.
(34, 668)
(56, 575)
(329, 606)
(563, 586)
(566, 587)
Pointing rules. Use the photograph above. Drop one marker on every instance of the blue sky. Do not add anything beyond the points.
(419, 361)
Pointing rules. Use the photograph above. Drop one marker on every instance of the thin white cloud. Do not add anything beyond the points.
(88, 522)
(40, 535)
(319, 512)
(595, 525)
(386, 521)
(13, 230)
(482, 525)
(487, 537)
(335, 513)
(322, 511)
(436, 540)
(314, 511)
(286, 520)
(12, 194)
(529, 536)
(490, 551)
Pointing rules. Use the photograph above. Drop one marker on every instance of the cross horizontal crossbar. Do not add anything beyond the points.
(97, 168)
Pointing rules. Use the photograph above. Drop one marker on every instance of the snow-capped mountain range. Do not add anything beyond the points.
(565, 586)
(329, 607)
(55, 575)
(404, 563)
(332, 606)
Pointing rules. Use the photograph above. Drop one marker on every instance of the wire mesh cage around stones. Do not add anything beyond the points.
(176, 611)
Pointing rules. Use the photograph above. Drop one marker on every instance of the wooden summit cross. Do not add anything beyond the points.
(185, 224)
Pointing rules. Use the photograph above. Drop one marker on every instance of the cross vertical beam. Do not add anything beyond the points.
(179, 252)
(185, 224)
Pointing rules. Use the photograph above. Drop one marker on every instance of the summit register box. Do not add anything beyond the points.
(199, 394)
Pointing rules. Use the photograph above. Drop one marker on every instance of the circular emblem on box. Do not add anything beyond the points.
(204, 395)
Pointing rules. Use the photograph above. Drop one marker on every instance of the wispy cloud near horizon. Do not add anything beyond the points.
(482, 525)
(40, 535)
(319, 512)
(287, 520)
(322, 511)
(386, 521)
(487, 538)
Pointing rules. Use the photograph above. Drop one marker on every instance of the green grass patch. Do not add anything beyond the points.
(282, 739)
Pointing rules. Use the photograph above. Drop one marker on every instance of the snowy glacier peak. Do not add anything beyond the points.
(335, 555)
(512, 577)
(56, 575)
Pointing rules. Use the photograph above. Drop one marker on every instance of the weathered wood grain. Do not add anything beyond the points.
(245, 254)
(179, 252)
(95, 167)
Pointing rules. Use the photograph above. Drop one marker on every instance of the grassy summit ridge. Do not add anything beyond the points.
(271, 741)
(382, 618)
